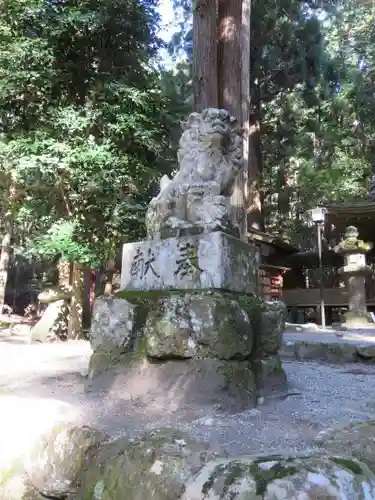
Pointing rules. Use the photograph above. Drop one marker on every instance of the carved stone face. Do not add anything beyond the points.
(213, 128)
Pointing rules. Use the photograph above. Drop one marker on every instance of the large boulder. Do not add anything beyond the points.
(52, 324)
(153, 467)
(54, 467)
(281, 478)
(270, 377)
(357, 439)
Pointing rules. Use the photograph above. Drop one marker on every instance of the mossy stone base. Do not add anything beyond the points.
(233, 334)
(194, 383)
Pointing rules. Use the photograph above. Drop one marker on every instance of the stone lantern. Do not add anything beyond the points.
(354, 272)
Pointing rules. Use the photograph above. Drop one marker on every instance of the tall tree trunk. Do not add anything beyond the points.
(234, 86)
(205, 82)
(246, 108)
(86, 306)
(64, 269)
(6, 242)
(254, 210)
(76, 303)
(6, 249)
(229, 59)
(110, 271)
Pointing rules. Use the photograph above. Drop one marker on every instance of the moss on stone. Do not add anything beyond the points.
(207, 486)
(349, 464)
(237, 373)
(263, 477)
(237, 469)
(105, 358)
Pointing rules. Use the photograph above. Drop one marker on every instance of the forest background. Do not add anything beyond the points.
(90, 114)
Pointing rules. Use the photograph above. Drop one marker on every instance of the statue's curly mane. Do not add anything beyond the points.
(209, 157)
(212, 131)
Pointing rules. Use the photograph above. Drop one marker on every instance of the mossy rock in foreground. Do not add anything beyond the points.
(54, 467)
(357, 438)
(153, 467)
(79, 463)
(282, 478)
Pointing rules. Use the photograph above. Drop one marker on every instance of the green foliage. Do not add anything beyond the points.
(83, 121)
(59, 242)
(312, 88)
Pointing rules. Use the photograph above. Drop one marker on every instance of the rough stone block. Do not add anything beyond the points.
(325, 352)
(269, 375)
(52, 324)
(198, 325)
(207, 261)
(114, 323)
(272, 326)
(366, 351)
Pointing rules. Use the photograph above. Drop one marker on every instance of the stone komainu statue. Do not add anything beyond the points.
(197, 199)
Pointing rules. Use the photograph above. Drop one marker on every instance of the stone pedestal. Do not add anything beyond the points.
(188, 307)
(355, 271)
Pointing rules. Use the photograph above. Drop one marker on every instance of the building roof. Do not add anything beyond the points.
(271, 240)
(360, 214)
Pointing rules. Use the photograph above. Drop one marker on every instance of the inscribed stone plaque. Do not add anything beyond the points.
(206, 261)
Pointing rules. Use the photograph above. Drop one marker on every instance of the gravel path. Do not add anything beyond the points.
(44, 384)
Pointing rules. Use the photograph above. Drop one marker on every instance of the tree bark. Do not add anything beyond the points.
(6, 249)
(64, 269)
(86, 306)
(234, 87)
(205, 81)
(76, 303)
(6, 242)
(109, 273)
(246, 108)
(229, 59)
(254, 210)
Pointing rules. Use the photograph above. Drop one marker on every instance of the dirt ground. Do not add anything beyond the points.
(42, 384)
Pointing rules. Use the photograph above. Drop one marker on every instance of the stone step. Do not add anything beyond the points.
(332, 347)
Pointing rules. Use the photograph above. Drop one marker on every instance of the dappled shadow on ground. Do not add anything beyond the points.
(48, 384)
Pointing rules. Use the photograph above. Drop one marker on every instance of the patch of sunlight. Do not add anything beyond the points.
(361, 337)
(23, 421)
